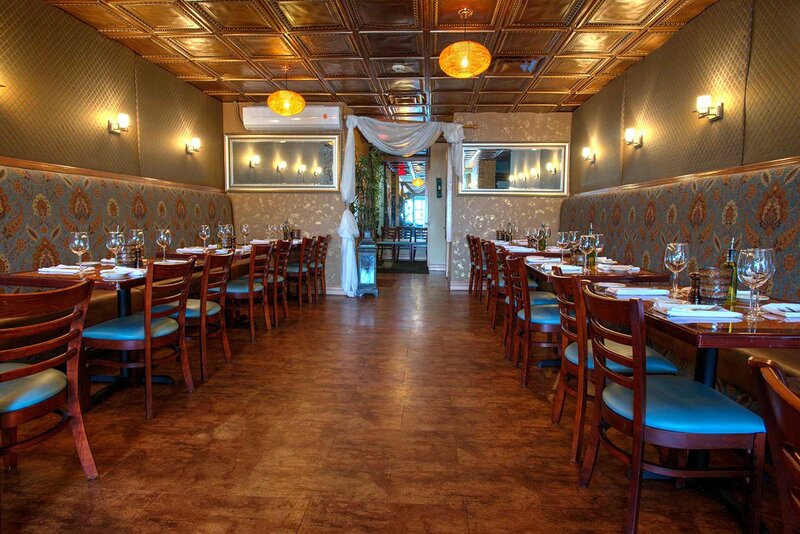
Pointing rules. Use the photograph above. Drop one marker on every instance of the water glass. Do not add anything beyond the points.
(79, 245)
(244, 229)
(586, 246)
(204, 233)
(599, 243)
(675, 260)
(755, 267)
(562, 240)
(163, 240)
(114, 242)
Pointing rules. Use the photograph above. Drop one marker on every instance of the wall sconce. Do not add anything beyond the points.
(705, 108)
(589, 154)
(120, 124)
(512, 178)
(318, 171)
(534, 173)
(255, 161)
(551, 167)
(281, 166)
(193, 146)
(633, 137)
(301, 169)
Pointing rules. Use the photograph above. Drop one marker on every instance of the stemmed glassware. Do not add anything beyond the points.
(244, 229)
(599, 244)
(586, 246)
(221, 231)
(573, 240)
(79, 244)
(114, 243)
(562, 240)
(163, 240)
(755, 267)
(675, 259)
(204, 233)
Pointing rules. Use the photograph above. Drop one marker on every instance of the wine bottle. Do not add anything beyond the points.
(730, 263)
(592, 259)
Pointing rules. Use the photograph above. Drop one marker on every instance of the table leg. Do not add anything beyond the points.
(705, 372)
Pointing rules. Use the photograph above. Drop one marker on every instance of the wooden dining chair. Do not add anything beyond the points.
(665, 411)
(478, 272)
(405, 240)
(318, 271)
(388, 240)
(166, 293)
(577, 360)
(277, 281)
(530, 318)
(205, 317)
(46, 326)
(420, 242)
(780, 408)
(300, 273)
(495, 284)
(252, 287)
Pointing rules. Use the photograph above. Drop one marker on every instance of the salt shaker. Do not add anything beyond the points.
(694, 289)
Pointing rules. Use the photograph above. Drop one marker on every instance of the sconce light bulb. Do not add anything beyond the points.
(194, 145)
(281, 166)
(318, 171)
(703, 105)
(255, 160)
(301, 169)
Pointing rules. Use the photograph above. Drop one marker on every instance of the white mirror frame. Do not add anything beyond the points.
(230, 184)
(563, 192)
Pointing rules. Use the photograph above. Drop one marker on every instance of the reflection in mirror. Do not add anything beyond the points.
(515, 169)
(282, 162)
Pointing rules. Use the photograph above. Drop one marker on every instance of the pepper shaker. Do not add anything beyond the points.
(694, 290)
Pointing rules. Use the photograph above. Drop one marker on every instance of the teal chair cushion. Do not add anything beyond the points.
(655, 362)
(547, 314)
(193, 308)
(27, 391)
(130, 328)
(295, 268)
(531, 283)
(271, 278)
(677, 404)
(386, 243)
(539, 298)
(240, 285)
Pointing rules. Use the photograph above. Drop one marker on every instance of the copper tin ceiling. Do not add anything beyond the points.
(548, 55)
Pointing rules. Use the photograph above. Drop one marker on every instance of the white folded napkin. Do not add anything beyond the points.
(783, 309)
(296, 241)
(520, 249)
(499, 242)
(552, 249)
(261, 241)
(569, 269)
(634, 291)
(212, 247)
(189, 250)
(108, 261)
(618, 268)
(602, 260)
(541, 259)
(64, 269)
(696, 311)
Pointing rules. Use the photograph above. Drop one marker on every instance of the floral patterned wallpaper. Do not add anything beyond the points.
(482, 215)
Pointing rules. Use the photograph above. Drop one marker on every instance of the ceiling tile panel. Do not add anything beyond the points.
(374, 54)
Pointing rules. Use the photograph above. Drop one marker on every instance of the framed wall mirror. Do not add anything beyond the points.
(515, 169)
(283, 162)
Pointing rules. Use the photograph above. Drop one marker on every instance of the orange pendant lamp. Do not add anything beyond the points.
(285, 102)
(417, 182)
(465, 59)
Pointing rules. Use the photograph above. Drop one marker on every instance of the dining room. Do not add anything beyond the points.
(399, 266)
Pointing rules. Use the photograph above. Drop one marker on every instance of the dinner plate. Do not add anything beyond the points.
(607, 285)
(747, 297)
(90, 263)
(113, 276)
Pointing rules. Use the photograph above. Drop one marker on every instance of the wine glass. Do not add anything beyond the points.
(79, 244)
(599, 243)
(562, 240)
(586, 246)
(204, 233)
(244, 229)
(114, 243)
(675, 259)
(163, 240)
(755, 266)
(137, 238)
(573, 240)
(221, 231)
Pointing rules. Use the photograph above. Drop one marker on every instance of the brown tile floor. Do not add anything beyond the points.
(390, 415)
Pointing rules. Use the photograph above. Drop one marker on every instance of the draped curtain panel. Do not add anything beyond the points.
(398, 140)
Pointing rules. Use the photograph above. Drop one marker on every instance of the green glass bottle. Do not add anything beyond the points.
(591, 261)
(730, 263)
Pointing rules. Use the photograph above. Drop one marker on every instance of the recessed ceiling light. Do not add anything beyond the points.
(400, 68)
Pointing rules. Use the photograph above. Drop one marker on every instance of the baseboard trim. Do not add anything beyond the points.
(335, 290)
(461, 285)
(437, 267)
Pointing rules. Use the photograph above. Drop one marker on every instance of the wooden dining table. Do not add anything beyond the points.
(643, 276)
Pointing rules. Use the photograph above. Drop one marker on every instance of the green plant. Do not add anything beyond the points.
(369, 178)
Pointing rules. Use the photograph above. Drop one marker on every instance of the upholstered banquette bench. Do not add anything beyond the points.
(758, 205)
(39, 209)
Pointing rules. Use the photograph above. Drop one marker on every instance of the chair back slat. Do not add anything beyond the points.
(571, 310)
(780, 409)
(490, 253)
(519, 286)
(609, 320)
(391, 233)
(282, 258)
(58, 314)
(261, 258)
(216, 273)
(307, 247)
(421, 235)
(324, 242)
(167, 288)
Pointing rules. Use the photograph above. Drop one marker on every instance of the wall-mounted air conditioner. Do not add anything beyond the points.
(312, 118)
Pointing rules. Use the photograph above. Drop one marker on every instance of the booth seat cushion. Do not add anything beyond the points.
(547, 314)
(130, 328)
(737, 372)
(678, 404)
(655, 362)
(27, 391)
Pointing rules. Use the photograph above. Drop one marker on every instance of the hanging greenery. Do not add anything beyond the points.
(369, 177)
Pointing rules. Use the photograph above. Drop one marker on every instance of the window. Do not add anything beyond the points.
(415, 211)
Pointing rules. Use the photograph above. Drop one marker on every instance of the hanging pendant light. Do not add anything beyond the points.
(418, 182)
(465, 59)
(285, 102)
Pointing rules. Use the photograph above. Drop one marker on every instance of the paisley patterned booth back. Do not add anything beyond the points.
(39, 209)
(760, 208)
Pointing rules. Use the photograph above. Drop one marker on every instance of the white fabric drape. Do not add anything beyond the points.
(398, 140)
(454, 135)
